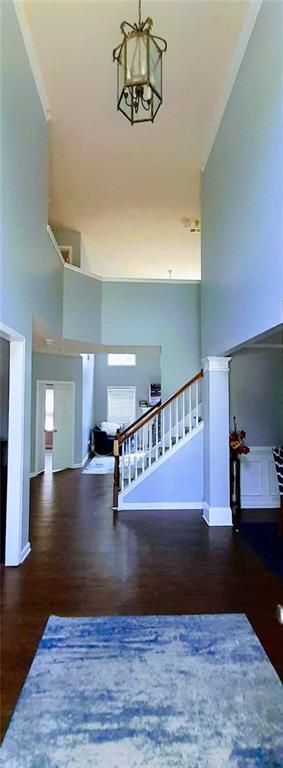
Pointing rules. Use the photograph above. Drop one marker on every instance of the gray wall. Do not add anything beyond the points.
(88, 370)
(242, 221)
(82, 307)
(256, 395)
(4, 388)
(157, 314)
(147, 371)
(33, 273)
(66, 236)
(48, 367)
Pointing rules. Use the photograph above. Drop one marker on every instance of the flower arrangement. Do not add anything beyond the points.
(237, 441)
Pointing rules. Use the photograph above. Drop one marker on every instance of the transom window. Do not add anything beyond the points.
(123, 359)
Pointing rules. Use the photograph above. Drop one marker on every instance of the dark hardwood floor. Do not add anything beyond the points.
(83, 563)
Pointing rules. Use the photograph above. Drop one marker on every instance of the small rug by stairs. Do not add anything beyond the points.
(148, 692)
(263, 539)
(100, 465)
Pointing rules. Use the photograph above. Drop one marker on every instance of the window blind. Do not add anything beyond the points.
(121, 404)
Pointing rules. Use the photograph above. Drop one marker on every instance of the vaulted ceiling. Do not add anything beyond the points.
(127, 189)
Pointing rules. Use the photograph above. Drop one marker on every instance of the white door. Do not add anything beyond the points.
(40, 424)
(64, 417)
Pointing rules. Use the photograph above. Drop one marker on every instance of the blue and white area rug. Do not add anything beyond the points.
(100, 465)
(148, 692)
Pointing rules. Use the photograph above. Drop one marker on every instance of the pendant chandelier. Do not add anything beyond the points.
(139, 71)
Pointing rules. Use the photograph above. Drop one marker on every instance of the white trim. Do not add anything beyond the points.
(263, 503)
(54, 242)
(162, 459)
(239, 53)
(32, 57)
(73, 268)
(85, 459)
(15, 480)
(219, 364)
(35, 474)
(217, 516)
(160, 505)
(25, 552)
(46, 382)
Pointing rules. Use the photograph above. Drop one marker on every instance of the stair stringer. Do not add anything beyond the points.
(175, 481)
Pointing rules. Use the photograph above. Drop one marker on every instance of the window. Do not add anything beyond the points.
(49, 410)
(121, 404)
(115, 359)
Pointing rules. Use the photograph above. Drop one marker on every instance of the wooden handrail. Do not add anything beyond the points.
(150, 411)
(122, 437)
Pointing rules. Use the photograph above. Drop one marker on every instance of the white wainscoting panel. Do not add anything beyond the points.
(259, 486)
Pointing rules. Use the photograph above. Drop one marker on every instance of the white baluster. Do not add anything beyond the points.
(170, 427)
(156, 436)
(123, 467)
(136, 456)
(149, 442)
(190, 409)
(143, 448)
(183, 417)
(177, 420)
(196, 403)
(129, 462)
(163, 431)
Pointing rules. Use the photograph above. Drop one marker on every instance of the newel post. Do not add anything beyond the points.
(216, 509)
(116, 483)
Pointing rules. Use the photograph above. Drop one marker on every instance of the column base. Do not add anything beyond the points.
(217, 515)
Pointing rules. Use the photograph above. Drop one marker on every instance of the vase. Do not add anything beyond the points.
(235, 489)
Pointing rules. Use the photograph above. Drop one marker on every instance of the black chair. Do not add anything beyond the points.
(100, 442)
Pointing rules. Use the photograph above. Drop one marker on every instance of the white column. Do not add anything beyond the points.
(216, 509)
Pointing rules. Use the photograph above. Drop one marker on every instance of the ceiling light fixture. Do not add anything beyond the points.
(139, 71)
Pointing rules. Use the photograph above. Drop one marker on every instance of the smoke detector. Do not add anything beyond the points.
(48, 342)
(193, 225)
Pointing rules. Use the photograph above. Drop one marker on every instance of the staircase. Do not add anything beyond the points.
(142, 448)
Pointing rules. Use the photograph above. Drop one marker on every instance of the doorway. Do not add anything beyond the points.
(14, 452)
(55, 426)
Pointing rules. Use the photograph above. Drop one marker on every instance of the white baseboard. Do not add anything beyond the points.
(35, 474)
(248, 502)
(215, 516)
(123, 505)
(25, 552)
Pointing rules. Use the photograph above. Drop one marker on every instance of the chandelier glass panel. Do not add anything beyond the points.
(139, 71)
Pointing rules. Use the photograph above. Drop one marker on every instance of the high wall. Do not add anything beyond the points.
(33, 274)
(158, 314)
(256, 394)
(47, 367)
(242, 221)
(145, 372)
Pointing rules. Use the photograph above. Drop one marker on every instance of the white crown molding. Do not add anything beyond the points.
(127, 279)
(216, 363)
(239, 53)
(32, 57)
